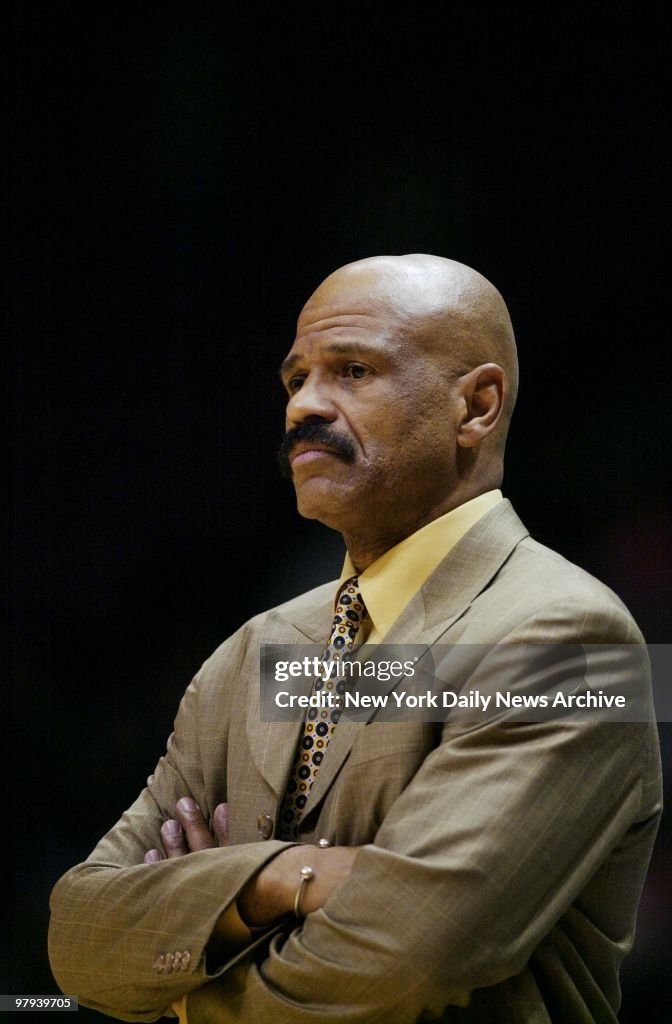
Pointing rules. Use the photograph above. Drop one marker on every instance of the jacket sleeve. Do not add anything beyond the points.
(129, 937)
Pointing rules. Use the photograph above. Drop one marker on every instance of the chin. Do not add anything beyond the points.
(322, 500)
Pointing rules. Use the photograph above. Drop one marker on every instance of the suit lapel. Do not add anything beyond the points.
(469, 568)
(272, 744)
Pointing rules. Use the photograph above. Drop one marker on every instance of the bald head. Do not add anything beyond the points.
(448, 309)
(401, 382)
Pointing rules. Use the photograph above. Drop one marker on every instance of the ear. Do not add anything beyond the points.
(483, 391)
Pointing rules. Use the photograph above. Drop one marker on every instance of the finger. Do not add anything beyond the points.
(220, 821)
(173, 839)
(190, 817)
(152, 856)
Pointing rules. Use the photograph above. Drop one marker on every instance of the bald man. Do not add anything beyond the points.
(326, 869)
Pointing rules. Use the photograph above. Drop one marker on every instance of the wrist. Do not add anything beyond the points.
(269, 895)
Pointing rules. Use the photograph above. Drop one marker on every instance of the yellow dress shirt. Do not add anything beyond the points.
(387, 586)
(390, 582)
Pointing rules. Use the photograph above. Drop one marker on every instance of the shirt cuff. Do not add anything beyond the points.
(180, 1007)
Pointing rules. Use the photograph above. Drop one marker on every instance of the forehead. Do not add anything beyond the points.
(347, 310)
(401, 318)
(349, 293)
(344, 329)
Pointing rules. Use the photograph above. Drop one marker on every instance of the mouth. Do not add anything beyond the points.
(307, 452)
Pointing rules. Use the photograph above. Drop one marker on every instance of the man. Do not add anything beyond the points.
(374, 870)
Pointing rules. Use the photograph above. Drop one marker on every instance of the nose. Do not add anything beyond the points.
(311, 403)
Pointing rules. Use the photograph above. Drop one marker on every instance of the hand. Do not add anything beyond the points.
(188, 831)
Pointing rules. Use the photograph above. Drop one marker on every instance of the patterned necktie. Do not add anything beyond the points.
(321, 722)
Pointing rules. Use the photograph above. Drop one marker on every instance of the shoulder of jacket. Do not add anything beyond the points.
(252, 631)
(551, 580)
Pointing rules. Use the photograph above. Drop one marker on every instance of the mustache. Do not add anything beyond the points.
(322, 434)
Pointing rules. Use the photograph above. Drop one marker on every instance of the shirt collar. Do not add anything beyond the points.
(390, 582)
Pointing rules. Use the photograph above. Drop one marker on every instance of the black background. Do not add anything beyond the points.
(182, 176)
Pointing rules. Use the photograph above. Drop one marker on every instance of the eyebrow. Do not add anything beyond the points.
(339, 348)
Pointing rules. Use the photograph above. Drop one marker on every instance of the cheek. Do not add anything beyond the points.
(408, 433)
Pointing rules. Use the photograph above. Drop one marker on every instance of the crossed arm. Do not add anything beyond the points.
(269, 895)
(475, 862)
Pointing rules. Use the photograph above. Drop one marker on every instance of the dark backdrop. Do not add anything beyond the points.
(181, 177)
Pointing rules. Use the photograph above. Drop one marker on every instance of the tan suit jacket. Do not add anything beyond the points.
(503, 862)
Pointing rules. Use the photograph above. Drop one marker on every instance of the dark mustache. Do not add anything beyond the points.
(319, 432)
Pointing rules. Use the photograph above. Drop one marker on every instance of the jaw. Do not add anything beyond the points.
(368, 516)
(329, 499)
(374, 511)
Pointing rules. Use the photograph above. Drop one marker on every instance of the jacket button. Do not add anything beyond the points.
(265, 826)
(159, 964)
(324, 844)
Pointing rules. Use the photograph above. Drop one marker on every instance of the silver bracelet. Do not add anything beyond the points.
(307, 875)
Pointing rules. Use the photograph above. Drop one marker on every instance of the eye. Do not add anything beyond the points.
(295, 383)
(356, 371)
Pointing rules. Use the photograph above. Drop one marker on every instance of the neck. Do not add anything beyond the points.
(366, 545)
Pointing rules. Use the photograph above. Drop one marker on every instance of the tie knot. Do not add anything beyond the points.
(349, 615)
